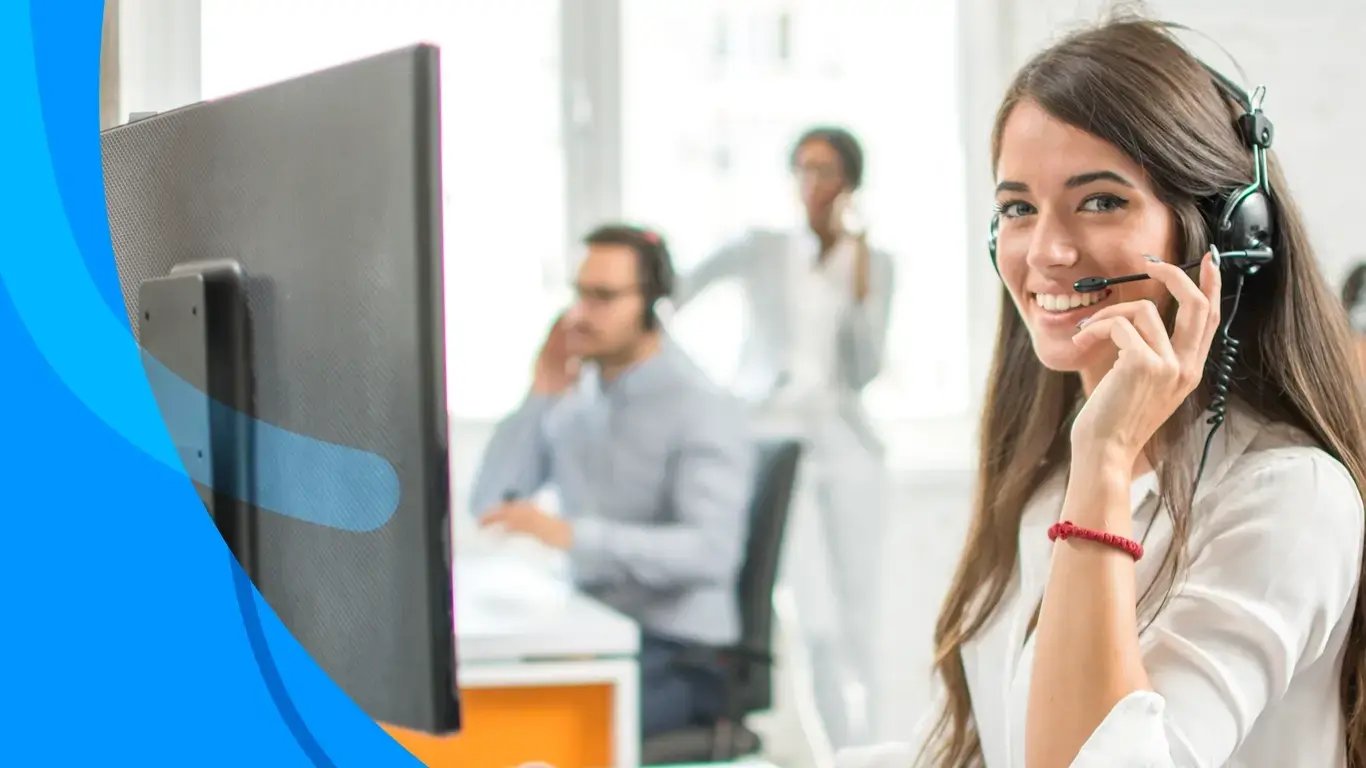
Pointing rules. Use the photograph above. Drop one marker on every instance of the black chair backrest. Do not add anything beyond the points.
(768, 513)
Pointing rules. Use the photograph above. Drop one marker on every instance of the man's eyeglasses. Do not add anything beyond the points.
(599, 296)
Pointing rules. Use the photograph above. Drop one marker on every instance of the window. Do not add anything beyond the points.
(502, 154)
(708, 96)
(714, 93)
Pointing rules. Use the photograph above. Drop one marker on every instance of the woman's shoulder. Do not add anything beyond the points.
(1283, 479)
(1285, 453)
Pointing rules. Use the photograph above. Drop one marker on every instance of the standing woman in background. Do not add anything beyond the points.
(818, 300)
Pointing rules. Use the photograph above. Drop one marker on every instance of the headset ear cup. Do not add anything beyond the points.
(1246, 222)
(650, 320)
(992, 232)
(1251, 222)
(662, 286)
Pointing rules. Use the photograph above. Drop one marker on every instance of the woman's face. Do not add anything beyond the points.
(820, 179)
(1071, 206)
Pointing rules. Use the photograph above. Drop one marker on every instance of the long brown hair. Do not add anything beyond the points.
(1129, 82)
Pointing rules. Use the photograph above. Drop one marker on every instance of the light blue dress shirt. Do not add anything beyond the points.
(655, 471)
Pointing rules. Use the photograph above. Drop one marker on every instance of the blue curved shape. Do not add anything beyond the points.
(270, 673)
(131, 561)
(73, 124)
(93, 352)
(289, 473)
(121, 596)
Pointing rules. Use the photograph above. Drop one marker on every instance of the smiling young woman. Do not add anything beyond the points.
(1237, 635)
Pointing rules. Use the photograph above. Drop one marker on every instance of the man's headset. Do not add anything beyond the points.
(656, 275)
(1242, 224)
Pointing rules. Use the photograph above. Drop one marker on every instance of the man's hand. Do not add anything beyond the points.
(556, 370)
(525, 517)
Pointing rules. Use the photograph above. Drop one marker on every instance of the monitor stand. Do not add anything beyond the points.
(195, 339)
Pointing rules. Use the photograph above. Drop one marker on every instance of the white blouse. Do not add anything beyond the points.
(1245, 658)
(780, 277)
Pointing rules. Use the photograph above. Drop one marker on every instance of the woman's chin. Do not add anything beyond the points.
(1062, 355)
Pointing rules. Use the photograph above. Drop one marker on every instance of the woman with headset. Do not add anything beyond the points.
(1137, 590)
(818, 299)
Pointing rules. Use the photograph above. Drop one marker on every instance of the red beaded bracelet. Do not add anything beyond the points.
(1066, 530)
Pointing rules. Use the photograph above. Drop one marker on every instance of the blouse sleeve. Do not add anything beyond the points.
(863, 328)
(1263, 595)
(725, 263)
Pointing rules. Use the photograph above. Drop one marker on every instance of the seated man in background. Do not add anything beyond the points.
(653, 464)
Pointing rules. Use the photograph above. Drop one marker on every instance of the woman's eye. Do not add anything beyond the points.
(1103, 203)
(1014, 209)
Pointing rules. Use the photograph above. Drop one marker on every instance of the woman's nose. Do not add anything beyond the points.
(1051, 246)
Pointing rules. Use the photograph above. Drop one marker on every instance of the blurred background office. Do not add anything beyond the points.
(560, 115)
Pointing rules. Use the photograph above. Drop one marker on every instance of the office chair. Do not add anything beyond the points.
(747, 666)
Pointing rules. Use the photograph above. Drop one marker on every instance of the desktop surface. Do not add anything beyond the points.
(509, 608)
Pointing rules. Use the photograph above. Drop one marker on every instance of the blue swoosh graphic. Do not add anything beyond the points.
(125, 545)
(270, 671)
(296, 475)
(72, 126)
(93, 353)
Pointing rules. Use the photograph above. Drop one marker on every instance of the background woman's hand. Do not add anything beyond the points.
(845, 221)
(1154, 373)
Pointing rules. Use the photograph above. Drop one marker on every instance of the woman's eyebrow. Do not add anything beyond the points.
(1082, 179)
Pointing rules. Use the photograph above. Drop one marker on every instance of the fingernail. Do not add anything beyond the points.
(1214, 253)
(1153, 259)
(1085, 321)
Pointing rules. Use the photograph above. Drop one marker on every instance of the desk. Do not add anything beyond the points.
(740, 764)
(546, 674)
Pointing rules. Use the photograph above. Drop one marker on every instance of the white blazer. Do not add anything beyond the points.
(1245, 658)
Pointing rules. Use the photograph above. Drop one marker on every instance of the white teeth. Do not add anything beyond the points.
(1054, 302)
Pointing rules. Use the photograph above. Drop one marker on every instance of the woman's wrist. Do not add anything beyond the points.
(1103, 458)
(1098, 493)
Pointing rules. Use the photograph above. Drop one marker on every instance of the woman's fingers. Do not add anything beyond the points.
(1121, 331)
(1197, 312)
(1145, 319)
(1212, 284)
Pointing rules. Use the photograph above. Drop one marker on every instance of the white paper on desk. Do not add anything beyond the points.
(497, 593)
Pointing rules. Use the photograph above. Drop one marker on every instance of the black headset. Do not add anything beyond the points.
(654, 267)
(1246, 223)
(656, 275)
(1242, 223)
